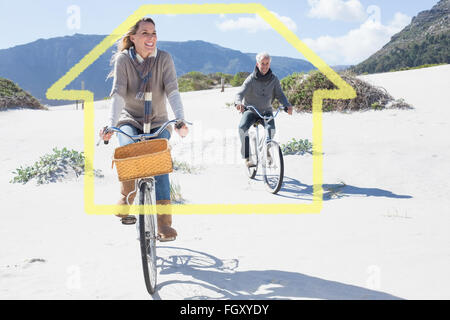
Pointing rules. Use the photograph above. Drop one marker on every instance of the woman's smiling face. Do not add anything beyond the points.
(145, 39)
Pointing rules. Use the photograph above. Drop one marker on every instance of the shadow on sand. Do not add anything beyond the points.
(220, 276)
(294, 189)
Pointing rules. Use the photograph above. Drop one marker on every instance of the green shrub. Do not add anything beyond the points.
(300, 88)
(292, 80)
(217, 77)
(376, 106)
(53, 167)
(11, 95)
(294, 146)
(185, 85)
(239, 79)
(195, 80)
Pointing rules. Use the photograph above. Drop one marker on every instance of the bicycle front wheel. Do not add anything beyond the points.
(274, 167)
(147, 236)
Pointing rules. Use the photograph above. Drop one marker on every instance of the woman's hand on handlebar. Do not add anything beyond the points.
(105, 136)
(182, 129)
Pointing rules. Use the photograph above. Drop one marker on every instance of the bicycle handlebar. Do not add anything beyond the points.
(143, 135)
(267, 118)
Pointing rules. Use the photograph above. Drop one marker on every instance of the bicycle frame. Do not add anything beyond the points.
(262, 143)
(272, 164)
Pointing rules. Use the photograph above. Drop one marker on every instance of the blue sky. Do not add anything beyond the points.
(340, 31)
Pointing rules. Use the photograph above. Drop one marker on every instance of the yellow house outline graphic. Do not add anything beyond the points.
(343, 91)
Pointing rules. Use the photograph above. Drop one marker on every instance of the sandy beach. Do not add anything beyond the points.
(382, 233)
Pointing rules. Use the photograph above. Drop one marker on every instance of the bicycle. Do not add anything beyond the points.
(145, 186)
(266, 152)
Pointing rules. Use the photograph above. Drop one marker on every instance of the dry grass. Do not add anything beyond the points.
(299, 89)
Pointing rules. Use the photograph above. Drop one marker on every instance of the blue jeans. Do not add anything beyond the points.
(247, 120)
(162, 187)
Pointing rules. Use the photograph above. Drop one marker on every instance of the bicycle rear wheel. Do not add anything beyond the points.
(253, 156)
(147, 236)
(274, 167)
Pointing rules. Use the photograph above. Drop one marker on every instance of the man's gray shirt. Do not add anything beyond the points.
(261, 94)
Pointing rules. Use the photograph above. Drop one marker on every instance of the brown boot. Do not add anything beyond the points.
(126, 188)
(165, 230)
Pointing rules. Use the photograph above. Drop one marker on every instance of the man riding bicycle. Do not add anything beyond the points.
(259, 90)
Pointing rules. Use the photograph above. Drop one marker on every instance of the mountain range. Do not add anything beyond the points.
(426, 40)
(37, 65)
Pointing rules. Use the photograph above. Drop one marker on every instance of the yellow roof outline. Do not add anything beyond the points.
(343, 91)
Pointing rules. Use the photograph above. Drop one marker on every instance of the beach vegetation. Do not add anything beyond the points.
(296, 147)
(239, 79)
(299, 89)
(12, 96)
(184, 167)
(194, 81)
(53, 167)
(175, 192)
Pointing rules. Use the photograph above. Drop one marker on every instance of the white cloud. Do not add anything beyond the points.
(251, 25)
(254, 24)
(290, 24)
(350, 10)
(400, 21)
(358, 44)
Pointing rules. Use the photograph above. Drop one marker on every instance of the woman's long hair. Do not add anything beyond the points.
(125, 43)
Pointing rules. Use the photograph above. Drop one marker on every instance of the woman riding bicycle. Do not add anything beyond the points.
(140, 68)
(259, 89)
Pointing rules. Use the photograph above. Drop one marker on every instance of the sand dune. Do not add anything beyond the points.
(383, 235)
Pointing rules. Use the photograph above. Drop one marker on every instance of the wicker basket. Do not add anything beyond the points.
(143, 159)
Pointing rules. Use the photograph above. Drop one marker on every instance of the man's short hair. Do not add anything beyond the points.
(261, 56)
